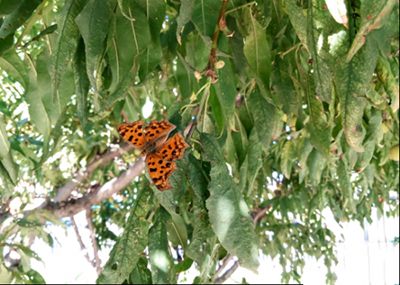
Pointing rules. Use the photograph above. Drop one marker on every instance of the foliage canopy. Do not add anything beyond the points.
(290, 107)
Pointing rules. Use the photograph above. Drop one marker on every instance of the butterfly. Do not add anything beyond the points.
(160, 155)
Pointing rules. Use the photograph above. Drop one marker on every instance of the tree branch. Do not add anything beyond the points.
(80, 176)
(94, 242)
(227, 274)
(115, 185)
(83, 247)
(224, 264)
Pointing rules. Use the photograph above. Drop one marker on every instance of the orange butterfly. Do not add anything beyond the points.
(160, 155)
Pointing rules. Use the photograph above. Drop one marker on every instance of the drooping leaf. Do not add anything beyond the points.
(199, 180)
(162, 265)
(228, 212)
(81, 84)
(205, 16)
(68, 37)
(264, 117)
(373, 16)
(351, 79)
(257, 53)
(185, 15)
(4, 142)
(283, 86)
(131, 35)
(318, 22)
(152, 56)
(13, 65)
(373, 137)
(298, 20)
(141, 274)
(93, 23)
(127, 250)
(18, 16)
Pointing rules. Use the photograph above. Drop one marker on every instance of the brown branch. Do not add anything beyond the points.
(115, 185)
(94, 242)
(221, 24)
(227, 274)
(224, 264)
(260, 213)
(83, 247)
(80, 176)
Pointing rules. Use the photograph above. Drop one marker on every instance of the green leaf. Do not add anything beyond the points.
(67, 42)
(373, 16)
(11, 63)
(318, 20)
(183, 265)
(82, 84)
(225, 87)
(257, 53)
(373, 137)
(345, 185)
(6, 189)
(126, 252)
(18, 17)
(131, 36)
(297, 19)
(254, 160)
(8, 6)
(6, 43)
(152, 56)
(390, 83)
(287, 158)
(199, 180)
(93, 23)
(178, 226)
(240, 140)
(264, 117)
(162, 265)
(284, 87)
(205, 16)
(351, 79)
(216, 109)
(228, 212)
(117, 95)
(202, 235)
(185, 15)
(141, 274)
(318, 124)
(4, 142)
(10, 166)
(34, 95)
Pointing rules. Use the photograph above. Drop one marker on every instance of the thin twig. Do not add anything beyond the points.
(224, 264)
(83, 247)
(94, 242)
(227, 274)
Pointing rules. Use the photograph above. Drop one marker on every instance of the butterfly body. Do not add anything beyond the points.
(160, 154)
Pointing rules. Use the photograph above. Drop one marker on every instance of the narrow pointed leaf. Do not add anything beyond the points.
(264, 117)
(18, 17)
(228, 212)
(127, 250)
(162, 265)
(68, 37)
(93, 23)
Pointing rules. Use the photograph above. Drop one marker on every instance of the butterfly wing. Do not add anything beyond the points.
(133, 133)
(173, 149)
(160, 170)
(157, 131)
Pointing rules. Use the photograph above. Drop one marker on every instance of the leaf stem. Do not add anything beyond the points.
(240, 7)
